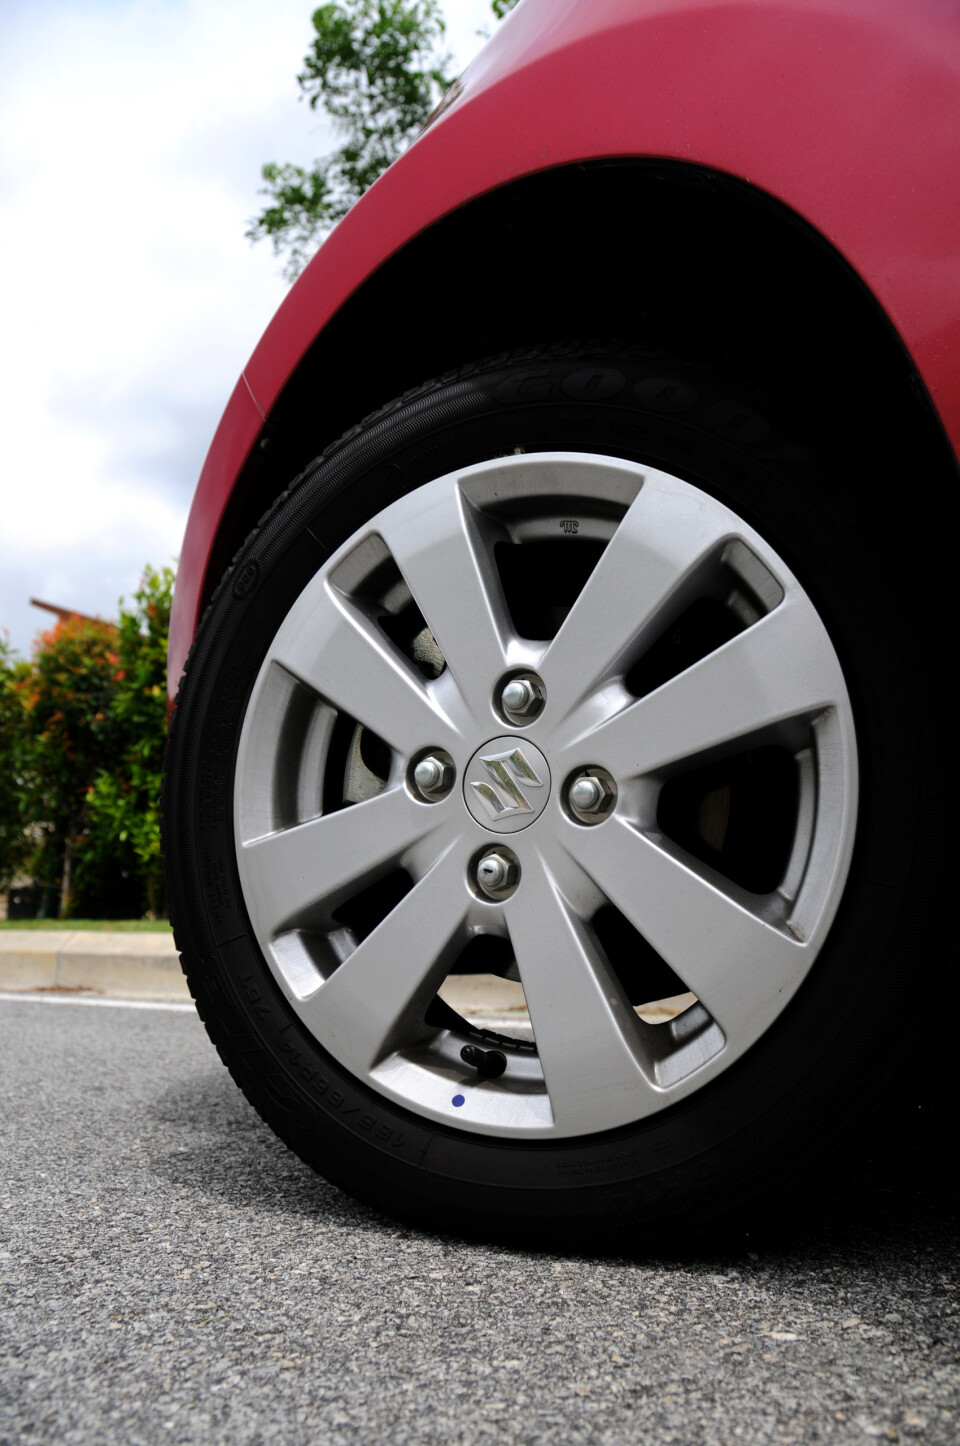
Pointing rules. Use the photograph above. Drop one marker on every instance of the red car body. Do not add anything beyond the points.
(822, 137)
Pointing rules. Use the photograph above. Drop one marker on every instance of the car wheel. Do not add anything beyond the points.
(530, 801)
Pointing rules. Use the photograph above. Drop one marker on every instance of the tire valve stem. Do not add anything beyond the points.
(489, 1063)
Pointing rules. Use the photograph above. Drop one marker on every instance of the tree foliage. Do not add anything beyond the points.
(66, 699)
(123, 803)
(378, 70)
(82, 729)
(14, 841)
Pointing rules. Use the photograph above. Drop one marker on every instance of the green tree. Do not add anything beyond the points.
(82, 733)
(66, 697)
(378, 69)
(15, 844)
(122, 822)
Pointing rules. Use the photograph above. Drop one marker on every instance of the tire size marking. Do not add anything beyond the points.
(339, 1102)
(335, 1100)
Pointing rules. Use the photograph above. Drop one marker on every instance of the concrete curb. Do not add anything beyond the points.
(128, 966)
(147, 966)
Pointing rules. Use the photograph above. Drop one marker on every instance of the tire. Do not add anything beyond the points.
(693, 833)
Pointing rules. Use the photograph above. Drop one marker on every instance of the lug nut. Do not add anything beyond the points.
(492, 873)
(433, 776)
(591, 795)
(522, 698)
(497, 874)
(428, 774)
(587, 795)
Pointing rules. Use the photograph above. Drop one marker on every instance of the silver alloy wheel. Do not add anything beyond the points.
(365, 996)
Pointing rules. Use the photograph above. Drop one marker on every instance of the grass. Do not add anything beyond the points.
(111, 926)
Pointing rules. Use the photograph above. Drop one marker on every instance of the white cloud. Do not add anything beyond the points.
(131, 136)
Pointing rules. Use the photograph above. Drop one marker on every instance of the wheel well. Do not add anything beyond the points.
(628, 248)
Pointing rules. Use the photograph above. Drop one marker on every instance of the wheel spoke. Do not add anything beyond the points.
(331, 645)
(448, 566)
(585, 1030)
(642, 580)
(781, 668)
(377, 998)
(329, 857)
(737, 964)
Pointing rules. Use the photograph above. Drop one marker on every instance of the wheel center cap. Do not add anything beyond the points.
(506, 784)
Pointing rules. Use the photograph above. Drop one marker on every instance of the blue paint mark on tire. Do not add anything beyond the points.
(459, 1100)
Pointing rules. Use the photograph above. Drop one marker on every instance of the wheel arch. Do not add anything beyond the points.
(556, 256)
(624, 248)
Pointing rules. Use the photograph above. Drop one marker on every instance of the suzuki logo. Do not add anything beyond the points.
(506, 784)
(501, 792)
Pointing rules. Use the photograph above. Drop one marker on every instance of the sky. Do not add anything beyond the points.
(131, 138)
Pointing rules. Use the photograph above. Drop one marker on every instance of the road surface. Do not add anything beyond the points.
(171, 1273)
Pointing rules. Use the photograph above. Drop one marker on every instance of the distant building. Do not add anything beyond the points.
(64, 614)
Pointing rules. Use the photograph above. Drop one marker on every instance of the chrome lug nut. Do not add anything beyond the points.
(591, 795)
(498, 874)
(518, 696)
(433, 776)
(428, 774)
(522, 698)
(586, 795)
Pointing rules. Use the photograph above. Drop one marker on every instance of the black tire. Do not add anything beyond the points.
(817, 1067)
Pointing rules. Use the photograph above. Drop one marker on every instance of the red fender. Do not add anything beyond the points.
(846, 110)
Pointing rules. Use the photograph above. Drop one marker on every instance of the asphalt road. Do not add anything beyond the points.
(170, 1273)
